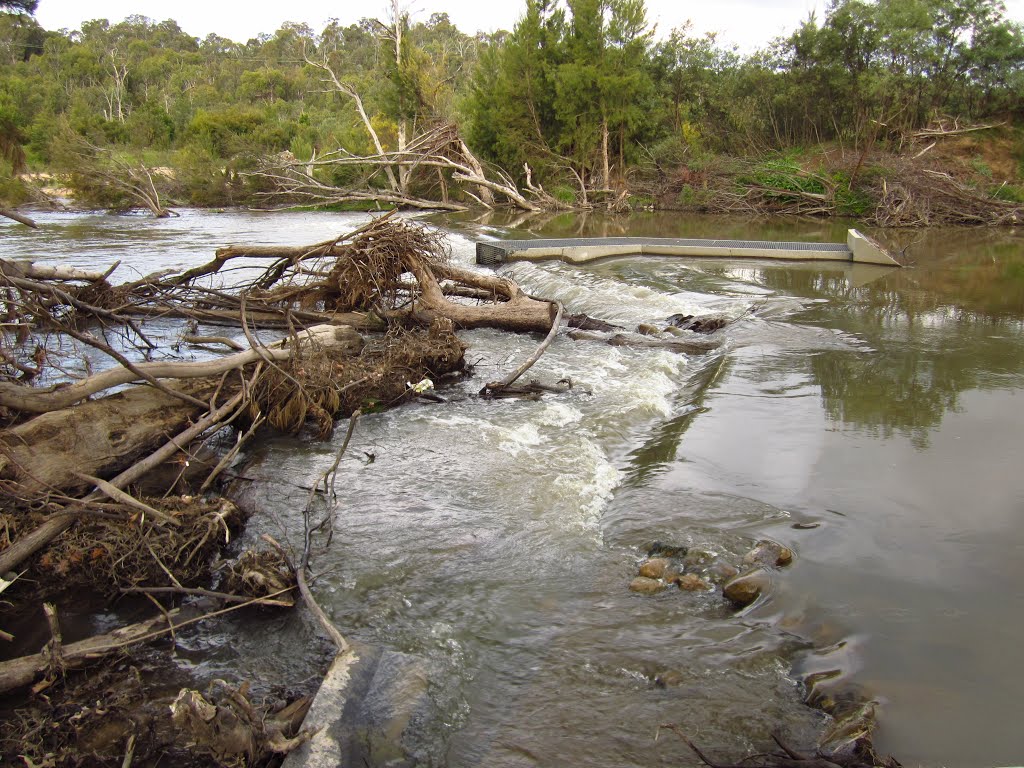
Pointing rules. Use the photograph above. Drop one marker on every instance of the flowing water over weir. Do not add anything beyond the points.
(486, 546)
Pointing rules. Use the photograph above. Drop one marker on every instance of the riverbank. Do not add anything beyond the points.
(941, 179)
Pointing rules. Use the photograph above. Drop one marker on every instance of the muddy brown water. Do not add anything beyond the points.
(492, 542)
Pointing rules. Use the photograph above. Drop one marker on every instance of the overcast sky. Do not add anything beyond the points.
(747, 23)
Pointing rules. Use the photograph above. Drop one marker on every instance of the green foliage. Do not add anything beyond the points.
(576, 87)
(980, 166)
(564, 194)
(855, 203)
(1010, 193)
(785, 174)
(236, 130)
(12, 190)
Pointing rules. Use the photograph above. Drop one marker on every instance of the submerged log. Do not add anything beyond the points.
(694, 346)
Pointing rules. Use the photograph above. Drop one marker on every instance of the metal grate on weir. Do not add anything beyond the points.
(587, 248)
(858, 249)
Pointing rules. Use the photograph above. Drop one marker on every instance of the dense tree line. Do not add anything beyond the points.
(578, 96)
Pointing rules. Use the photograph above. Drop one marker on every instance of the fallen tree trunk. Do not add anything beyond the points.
(27, 545)
(15, 216)
(368, 273)
(511, 310)
(34, 400)
(98, 438)
(17, 673)
(102, 437)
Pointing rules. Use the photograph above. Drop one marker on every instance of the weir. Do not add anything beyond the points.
(858, 249)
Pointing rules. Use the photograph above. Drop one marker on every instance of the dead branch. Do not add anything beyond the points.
(33, 400)
(200, 341)
(17, 673)
(300, 573)
(352, 93)
(21, 219)
(102, 167)
(439, 147)
(222, 596)
(495, 387)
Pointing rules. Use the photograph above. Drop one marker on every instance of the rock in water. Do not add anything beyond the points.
(655, 568)
(720, 571)
(769, 553)
(646, 586)
(691, 582)
(661, 549)
(698, 557)
(747, 587)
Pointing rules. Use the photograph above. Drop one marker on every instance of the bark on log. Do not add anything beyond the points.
(264, 320)
(27, 545)
(51, 272)
(518, 311)
(28, 399)
(15, 216)
(99, 438)
(102, 437)
(18, 673)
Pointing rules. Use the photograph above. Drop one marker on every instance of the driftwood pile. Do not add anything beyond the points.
(91, 410)
(879, 188)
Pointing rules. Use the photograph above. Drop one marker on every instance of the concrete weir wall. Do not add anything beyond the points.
(858, 249)
(366, 712)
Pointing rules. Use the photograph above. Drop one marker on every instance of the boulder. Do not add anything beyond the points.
(691, 582)
(661, 549)
(721, 571)
(698, 557)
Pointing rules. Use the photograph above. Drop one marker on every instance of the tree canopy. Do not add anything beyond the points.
(578, 94)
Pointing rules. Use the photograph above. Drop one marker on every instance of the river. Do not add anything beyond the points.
(492, 542)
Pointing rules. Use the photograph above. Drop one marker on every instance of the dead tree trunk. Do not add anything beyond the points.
(101, 437)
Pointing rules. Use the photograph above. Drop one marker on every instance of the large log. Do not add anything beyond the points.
(99, 438)
(32, 400)
(102, 437)
(17, 673)
(513, 310)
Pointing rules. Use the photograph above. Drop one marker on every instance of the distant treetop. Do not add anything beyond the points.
(20, 6)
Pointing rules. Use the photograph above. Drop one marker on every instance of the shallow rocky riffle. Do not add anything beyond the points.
(700, 569)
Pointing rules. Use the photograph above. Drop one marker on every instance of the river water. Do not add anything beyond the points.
(492, 543)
